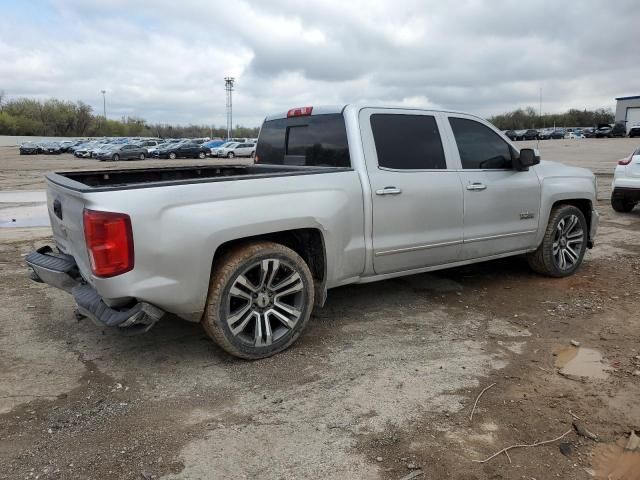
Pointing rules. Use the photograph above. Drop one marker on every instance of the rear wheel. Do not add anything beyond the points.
(201, 155)
(230, 155)
(141, 156)
(260, 300)
(564, 244)
(253, 154)
(172, 156)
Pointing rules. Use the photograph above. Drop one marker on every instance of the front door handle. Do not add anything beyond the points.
(389, 191)
(476, 186)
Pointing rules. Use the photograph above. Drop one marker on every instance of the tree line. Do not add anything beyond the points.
(521, 119)
(58, 118)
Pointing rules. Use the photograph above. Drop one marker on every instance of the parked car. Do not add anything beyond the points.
(236, 150)
(574, 134)
(29, 148)
(589, 132)
(557, 134)
(604, 131)
(634, 131)
(213, 144)
(50, 148)
(127, 151)
(531, 134)
(511, 134)
(249, 250)
(545, 133)
(619, 130)
(182, 150)
(223, 149)
(85, 151)
(626, 183)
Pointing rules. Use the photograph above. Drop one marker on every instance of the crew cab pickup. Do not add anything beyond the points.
(337, 195)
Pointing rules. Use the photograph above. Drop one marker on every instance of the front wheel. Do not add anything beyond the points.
(564, 244)
(201, 155)
(172, 156)
(141, 156)
(115, 158)
(230, 155)
(622, 205)
(260, 299)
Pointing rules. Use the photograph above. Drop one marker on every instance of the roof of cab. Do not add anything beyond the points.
(317, 110)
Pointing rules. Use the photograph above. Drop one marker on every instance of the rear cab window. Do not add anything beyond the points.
(314, 140)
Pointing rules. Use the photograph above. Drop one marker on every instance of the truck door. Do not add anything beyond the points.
(501, 205)
(416, 196)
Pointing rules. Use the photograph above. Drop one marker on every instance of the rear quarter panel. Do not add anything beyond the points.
(177, 230)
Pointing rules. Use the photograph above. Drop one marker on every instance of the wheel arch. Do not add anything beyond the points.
(309, 243)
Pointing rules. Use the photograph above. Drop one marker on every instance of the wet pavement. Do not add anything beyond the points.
(23, 209)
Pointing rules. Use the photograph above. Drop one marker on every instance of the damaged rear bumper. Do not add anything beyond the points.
(61, 271)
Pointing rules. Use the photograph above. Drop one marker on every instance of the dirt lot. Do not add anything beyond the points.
(381, 385)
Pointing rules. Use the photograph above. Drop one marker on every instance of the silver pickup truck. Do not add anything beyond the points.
(337, 195)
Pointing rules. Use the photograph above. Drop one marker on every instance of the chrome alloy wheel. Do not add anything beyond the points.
(265, 302)
(568, 242)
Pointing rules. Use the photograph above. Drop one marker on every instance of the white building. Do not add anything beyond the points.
(628, 111)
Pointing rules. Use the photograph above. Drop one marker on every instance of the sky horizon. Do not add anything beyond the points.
(166, 62)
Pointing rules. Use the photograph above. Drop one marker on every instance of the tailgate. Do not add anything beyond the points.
(65, 212)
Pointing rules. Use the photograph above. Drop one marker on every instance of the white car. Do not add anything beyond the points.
(235, 149)
(626, 183)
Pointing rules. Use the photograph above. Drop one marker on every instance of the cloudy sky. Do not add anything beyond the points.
(165, 60)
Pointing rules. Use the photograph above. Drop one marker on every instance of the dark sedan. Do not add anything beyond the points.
(182, 150)
(51, 148)
(29, 148)
(123, 152)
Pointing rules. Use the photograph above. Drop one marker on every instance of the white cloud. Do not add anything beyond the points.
(165, 60)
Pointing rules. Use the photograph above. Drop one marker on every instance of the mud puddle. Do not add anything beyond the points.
(23, 209)
(581, 362)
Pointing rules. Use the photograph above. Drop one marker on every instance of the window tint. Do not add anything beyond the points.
(316, 140)
(407, 141)
(479, 146)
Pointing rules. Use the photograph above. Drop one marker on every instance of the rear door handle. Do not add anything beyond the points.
(476, 186)
(389, 191)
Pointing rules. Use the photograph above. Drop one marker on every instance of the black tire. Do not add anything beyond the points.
(172, 156)
(253, 154)
(202, 155)
(115, 157)
(142, 156)
(621, 204)
(240, 261)
(543, 260)
(230, 155)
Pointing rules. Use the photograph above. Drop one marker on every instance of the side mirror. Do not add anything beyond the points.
(528, 158)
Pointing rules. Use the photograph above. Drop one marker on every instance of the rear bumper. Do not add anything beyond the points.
(628, 193)
(60, 271)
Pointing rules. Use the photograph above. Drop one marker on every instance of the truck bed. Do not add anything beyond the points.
(107, 180)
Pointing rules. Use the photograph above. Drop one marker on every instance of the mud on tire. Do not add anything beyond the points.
(260, 299)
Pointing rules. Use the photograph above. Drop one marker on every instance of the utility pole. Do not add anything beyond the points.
(541, 106)
(228, 86)
(104, 103)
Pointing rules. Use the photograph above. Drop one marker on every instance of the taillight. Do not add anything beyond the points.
(300, 112)
(109, 241)
(626, 161)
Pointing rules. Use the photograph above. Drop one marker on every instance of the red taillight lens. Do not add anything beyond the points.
(626, 161)
(109, 241)
(300, 112)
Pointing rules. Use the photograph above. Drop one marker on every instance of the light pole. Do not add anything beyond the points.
(104, 103)
(228, 86)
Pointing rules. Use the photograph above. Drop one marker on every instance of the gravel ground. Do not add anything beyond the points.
(381, 385)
